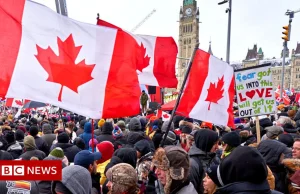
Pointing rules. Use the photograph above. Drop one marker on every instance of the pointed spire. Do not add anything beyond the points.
(209, 49)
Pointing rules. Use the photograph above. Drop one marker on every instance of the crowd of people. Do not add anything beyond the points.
(130, 156)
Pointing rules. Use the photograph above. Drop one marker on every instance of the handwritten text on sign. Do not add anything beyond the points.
(254, 89)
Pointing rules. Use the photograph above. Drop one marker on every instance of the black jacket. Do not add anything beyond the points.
(271, 151)
(15, 149)
(199, 162)
(70, 150)
(246, 188)
(33, 152)
(41, 145)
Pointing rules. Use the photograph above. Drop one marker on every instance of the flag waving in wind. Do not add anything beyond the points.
(209, 92)
(157, 59)
(50, 58)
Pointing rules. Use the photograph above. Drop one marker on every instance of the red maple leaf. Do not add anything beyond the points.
(19, 102)
(143, 61)
(215, 92)
(62, 68)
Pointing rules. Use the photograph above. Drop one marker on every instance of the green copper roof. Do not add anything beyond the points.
(260, 51)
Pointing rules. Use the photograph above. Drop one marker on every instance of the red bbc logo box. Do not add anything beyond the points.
(31, 170)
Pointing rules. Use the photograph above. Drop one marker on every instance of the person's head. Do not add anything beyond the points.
(172, 166)
(75, 179)
(122, 178)
(33, 130)
(209, 185)
(10, 137)
(206, 140)
(106, 148)
(47, 128)
(71, 125)
(273, 132)
(296, 149)
(142, 148)
(63, 138)
(230, 141)
(79, 143)
(232, 168)
(87, 160)
(29, 142)
(143, 91)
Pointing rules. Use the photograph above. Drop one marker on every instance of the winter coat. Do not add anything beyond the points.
(79, 132)
(105, 137)
(101, 169)
(119, 142)
(4, 155)
(33, 152)
(70, 150)
(41, 145)
(87, 134)
(49, 138)
(199, 161)
(246, 188)
(271, 150)
(15, 149)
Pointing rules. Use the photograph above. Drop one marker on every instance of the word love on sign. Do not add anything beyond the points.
(254, 89)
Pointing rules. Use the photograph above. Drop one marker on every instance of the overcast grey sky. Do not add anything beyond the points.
(253, 21)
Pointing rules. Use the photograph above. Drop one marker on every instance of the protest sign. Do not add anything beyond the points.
(254, 90)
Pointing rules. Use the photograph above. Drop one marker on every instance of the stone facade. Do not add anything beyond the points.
(188, 36)
(292, 66)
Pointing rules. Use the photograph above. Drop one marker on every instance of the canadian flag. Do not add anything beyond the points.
(286, 99)
(14, 102)
(209, 92)
(50, 58)
(156, 60)
(164, 115)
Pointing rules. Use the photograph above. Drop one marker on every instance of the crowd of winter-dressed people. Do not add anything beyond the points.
(125, 155)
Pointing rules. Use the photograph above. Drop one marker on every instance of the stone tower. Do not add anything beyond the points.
(188, 35)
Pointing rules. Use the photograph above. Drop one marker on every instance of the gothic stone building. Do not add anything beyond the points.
(292, 66)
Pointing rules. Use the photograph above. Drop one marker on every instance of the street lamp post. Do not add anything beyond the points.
(229, 11)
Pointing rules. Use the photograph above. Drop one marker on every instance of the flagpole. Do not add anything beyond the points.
(180, 92)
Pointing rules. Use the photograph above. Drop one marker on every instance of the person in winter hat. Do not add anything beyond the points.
(122, 178)
(75, 180)
(292, 165)
(117, 132)
(135, 124)
(202, 156)
(101, 123)
(87, 134)
(272, 132)
(172, 168)
(13, 147)
(229, 142)
(106, 148)
(31, 149)
(231, 176)
(106, 133)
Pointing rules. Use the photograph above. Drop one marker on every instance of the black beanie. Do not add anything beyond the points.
(185, 129)
(232, 139)
(63, 138)
(33, 130)
(19, 135)
(10, 137)
(243, 164)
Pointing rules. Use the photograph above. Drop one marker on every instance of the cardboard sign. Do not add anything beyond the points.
(254, 90)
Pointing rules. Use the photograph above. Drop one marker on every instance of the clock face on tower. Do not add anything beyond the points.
(188, 11)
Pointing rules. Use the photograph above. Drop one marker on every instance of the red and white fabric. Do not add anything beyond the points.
(286, 99)
(14, 102)
(199, 101)
(162, 114)
(157, 62)
(39, 46)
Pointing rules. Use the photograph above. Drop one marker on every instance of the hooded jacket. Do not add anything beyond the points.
(15, 149)
(271, 150)
(77, 179)
(106, 133)
(200, 156)
(87, 134)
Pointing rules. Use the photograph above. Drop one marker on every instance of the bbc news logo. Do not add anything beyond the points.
(31, 170)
